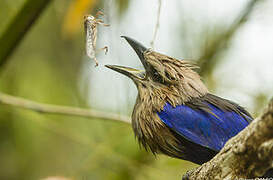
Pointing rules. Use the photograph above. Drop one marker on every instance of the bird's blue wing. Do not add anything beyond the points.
(210, 129)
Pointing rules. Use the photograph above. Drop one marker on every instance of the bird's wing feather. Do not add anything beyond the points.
(209, 126)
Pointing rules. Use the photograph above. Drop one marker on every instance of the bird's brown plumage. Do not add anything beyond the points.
(169, 80)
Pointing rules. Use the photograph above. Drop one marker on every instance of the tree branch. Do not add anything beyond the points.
(247, 155)
(56, 109)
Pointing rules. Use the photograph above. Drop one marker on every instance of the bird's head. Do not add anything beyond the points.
(162, 74)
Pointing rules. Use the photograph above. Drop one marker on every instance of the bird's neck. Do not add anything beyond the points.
(151, 99)
(150, 131)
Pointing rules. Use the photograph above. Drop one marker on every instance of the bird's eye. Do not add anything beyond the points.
(157, 77)
(169, 76)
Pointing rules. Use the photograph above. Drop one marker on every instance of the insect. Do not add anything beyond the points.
(91, 28)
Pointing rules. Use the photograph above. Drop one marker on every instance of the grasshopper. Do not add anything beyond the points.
(91, 28)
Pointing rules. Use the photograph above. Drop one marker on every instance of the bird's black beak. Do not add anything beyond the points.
(131, 72)
(139, 49)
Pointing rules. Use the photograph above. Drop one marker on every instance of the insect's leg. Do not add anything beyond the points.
(100, 22)
(105, 49)
(99, 13)
(96, 61)
(105, 25)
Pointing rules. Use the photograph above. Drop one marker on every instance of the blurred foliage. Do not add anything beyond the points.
(74, 15)
(122, 6)
(214, 42)
(46, 67)
(219, 41)
(78, 8)
(19, 25)
(260, 101)
(7, 13)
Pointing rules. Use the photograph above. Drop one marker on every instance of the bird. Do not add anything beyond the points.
(175, 114)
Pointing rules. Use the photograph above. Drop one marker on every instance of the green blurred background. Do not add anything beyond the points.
(231, 41)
